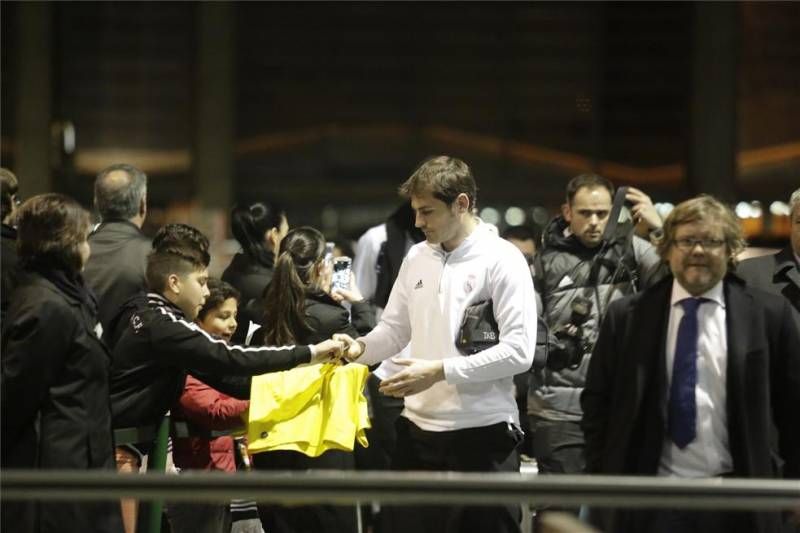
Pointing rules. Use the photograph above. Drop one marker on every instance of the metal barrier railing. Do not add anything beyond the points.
(347, 487)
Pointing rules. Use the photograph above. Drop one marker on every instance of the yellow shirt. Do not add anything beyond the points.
(308, 409)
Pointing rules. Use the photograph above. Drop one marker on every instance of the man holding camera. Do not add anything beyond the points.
(577, 273)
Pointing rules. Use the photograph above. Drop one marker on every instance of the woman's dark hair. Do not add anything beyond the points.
(285, 318)
(219, 291)
(250, 222)
(51, 228)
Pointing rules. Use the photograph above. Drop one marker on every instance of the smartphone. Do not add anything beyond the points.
(341, 273)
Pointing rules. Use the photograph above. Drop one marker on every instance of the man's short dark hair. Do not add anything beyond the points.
(9, 186)
(592, 181)
(118, 192)
(519, 233)
(219, 291)
(445, 178)
(177, 249)
(51, 227)
(182, 236)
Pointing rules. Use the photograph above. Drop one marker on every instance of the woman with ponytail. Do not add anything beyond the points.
(258, 227)
(300, 307)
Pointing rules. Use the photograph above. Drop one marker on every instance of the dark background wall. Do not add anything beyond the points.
(329, 106)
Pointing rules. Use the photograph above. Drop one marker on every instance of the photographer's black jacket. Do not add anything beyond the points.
(157, 349)
(561, 274)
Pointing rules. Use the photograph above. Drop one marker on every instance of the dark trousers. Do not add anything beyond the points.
(484, 449)
(382, 436)
(558, 447)
(306, 518)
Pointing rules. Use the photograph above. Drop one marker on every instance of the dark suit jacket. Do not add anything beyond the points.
(325, 316)
(624, 421)
(777, 273)
(55, 404)
(116, 268)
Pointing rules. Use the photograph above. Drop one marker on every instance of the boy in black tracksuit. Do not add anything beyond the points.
(160, 342)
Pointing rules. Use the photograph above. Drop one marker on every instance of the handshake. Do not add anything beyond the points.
(416, 376)
(341, 347)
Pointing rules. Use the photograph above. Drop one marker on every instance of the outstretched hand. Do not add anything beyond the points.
(419, 375)
(328, 351)
(353, 349)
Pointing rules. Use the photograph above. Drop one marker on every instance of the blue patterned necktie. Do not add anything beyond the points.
(682, 407)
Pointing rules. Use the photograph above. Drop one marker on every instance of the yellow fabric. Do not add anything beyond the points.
(309, 409)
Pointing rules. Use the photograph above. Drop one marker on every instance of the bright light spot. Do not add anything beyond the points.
(490, 215)
(743, 210)
(664, 208)
(780, 209)
(69, 138)
(755, 209)
(514, 216)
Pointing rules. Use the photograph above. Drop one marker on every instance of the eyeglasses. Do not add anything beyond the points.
(688, 244)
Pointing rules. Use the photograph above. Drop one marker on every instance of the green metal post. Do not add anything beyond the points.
(156, 462)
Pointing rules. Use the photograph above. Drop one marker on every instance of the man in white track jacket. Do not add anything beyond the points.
(460, 413)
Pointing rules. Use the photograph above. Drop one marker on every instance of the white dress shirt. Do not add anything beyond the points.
(708, 454)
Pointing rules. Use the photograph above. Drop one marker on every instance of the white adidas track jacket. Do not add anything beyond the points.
(426, 307)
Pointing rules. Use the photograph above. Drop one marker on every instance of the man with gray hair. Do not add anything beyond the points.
(116, 268)
(779, 273)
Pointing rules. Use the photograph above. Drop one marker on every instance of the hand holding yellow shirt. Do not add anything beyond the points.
(309, 409)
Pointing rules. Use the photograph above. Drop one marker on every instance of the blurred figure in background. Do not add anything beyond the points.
(8, 255)
(116, 270)
(301, 309)
(523, 238)
(55, 368)
(258, 228)
(779, 273)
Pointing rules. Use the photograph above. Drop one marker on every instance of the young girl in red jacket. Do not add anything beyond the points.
(202, 410)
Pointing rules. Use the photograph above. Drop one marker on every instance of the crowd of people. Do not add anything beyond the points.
(608, 345)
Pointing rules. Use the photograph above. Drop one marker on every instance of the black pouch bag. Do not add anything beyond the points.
(479, 331)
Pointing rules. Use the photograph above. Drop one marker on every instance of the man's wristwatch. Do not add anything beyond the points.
(362, 346)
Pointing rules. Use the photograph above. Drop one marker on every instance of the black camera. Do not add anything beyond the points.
(568, 349)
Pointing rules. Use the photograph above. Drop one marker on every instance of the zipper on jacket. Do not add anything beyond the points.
(445, 257)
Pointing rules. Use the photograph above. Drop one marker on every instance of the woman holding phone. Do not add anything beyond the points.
(300, 308)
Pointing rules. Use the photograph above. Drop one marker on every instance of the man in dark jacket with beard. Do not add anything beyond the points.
(10, 185)
(779, 273)
(577, 274)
